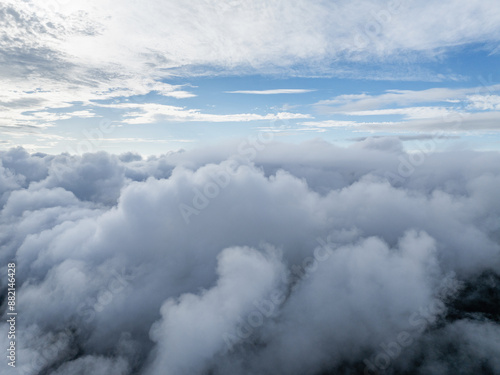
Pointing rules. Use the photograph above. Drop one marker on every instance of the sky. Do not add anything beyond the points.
(249, 187)
(158, 76)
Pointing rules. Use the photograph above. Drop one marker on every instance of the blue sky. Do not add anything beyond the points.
(82, 76)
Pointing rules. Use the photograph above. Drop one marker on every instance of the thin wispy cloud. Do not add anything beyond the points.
(407, 112)
(449, 122)
(271, 92)
(365, 101)
(154, 113)
(301, 258)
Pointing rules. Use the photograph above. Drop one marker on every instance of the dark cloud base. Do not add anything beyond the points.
(282, 259)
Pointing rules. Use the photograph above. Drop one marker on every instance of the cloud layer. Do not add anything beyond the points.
(281, 259)
(59, 54)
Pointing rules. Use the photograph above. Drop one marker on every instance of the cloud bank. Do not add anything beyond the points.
(277, 259)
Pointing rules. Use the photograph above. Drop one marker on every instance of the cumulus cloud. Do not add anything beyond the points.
(281, 259)
(195, 322)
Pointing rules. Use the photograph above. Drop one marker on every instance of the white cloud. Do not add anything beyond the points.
(145, 140)
(484, 102)
(301, 259)
(449, 122)
(38, 117)
(271, 92)
(258, 34)
(364, 102)
(456, 112)
(151, 113)
(408, 112)
(330, 123)
(22, 106)
(86, 50)
(216, 311)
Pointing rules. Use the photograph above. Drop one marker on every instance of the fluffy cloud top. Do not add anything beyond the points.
(298, 259)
